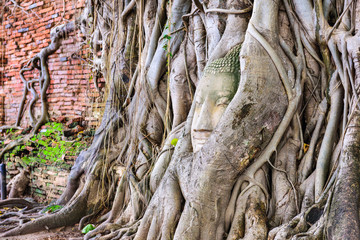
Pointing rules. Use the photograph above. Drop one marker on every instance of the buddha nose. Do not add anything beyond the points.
(204, 120)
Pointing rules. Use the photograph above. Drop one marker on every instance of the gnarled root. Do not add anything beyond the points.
(65, 217)
(17, 218)
(114, 231)
(249, 221)
(299, 225)
(39, 62)
(17, 202)
(160, 222)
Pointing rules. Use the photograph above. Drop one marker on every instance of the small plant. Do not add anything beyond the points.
(48, 146)
(52, 208)
(87, 228)
(9, 130)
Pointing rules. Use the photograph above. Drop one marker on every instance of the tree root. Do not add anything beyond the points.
(39, 62)
(249, 220)
(6, 127)
(65, 217)
(85, 219)
(326, 149)
(113, 231)
(18, 202)
(162, 221)
(306, 163)
(300, 224)
(101, 229)
(17, 218)
(228, 11)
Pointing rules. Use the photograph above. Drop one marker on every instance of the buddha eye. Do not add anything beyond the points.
(223, 101)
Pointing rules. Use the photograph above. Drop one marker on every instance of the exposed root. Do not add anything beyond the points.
(102, 229)
(323, 162)
(67, 216)
(311, 221)
(39, 62)
(228, 11)
(18, 202)
(111, 231)
(85, 219)
(17, 218)
(163, 222)
(6, 127)
(249, 220)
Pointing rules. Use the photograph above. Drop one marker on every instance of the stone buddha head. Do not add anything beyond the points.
(214, 92)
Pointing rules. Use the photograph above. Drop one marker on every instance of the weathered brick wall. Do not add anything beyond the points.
(47, 182)
(23, 33)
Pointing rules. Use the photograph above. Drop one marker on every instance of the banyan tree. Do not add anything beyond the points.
(233, 119)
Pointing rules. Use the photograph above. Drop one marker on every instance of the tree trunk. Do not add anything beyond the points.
(239, 121)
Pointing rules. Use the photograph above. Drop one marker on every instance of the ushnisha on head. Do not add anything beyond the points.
(214, 92)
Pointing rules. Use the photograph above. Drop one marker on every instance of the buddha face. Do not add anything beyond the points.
(213, 95)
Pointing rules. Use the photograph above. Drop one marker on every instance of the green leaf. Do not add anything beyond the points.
(174, 142)
(165, 47)
(26, 160)
(167, 37)
(52, 208)
(42, 142)
(87, 229)
(169, 54)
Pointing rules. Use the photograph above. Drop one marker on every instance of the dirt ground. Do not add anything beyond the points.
(9, 219)
(68, 233)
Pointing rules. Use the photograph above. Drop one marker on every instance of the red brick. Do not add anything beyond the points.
(25, 4)
(45, 10)
(69, 80)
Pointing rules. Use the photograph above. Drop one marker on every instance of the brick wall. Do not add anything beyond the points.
(47, 182)
(24, 31)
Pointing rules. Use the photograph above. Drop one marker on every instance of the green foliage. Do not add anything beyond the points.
(166, 45)
(9, 130)
(167, 37)
(52, 208)
(174, 142)
(48, 146)
(87, 228)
